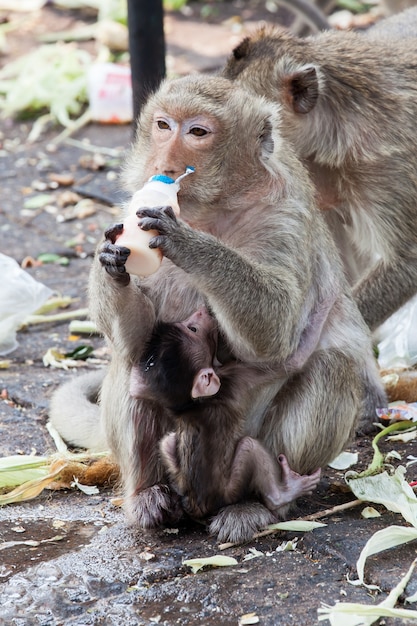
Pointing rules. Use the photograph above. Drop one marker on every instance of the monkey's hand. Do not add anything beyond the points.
(113, 257)
(170, 230)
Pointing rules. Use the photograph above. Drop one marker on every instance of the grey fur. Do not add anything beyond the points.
(251, 244)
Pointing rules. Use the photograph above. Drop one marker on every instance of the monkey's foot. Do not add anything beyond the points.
(152, 507)
(292, 486)
(374, 398)
(239, 522)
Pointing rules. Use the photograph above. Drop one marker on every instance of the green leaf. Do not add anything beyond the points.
(384, 539)
(355, 614)
(16, 469)
(174, 5)
(378, 458)
(38, 201)
(391, 490)
(344, 460)
(81, 353)
(50, 257)
(354, 6)
(83, 327)
(214, 561)
(296, 526)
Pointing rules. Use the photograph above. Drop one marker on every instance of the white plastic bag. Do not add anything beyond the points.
(397, 337)
(20, 296)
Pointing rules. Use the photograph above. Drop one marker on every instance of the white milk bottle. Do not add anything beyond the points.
(160, 190)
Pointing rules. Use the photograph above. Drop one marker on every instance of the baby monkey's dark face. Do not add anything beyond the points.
(178, 364)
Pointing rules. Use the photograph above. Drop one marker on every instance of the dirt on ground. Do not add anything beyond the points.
(68, 557)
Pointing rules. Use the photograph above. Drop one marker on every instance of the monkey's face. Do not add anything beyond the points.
(210, 124)
(200, 335)
(178, 362)
(198, 349)
(178, 141)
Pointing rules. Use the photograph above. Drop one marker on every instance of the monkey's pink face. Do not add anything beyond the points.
(179, 142)
(200, 331)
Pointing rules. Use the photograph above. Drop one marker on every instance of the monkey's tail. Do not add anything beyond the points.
(74, 412)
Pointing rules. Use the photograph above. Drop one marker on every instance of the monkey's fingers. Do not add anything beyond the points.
(295, 485)
(113, 254)
(119, 274)
(113, 259)
(160, 241)
(151, 223)
(113, 232)
(309, 482)
(157, 212)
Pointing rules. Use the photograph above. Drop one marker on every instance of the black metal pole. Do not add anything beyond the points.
(147, 49)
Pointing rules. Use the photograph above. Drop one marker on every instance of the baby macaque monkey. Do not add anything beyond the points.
(210, 462)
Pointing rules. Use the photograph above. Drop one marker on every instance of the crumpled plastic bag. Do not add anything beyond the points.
(399, 411)
(397, 337)
(21, 295)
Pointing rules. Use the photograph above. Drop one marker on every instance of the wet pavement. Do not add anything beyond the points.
(89, 568)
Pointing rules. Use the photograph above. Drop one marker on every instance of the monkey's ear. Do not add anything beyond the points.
(206, 383)
(303, 89)
(242, 49)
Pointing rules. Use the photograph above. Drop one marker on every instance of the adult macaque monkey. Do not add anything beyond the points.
(210, 461)
(403, 24)
(249, 244)
(349, 107)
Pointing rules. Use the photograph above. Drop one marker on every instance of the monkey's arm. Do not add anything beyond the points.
(387, 287)
(240, 290)
(118, 305)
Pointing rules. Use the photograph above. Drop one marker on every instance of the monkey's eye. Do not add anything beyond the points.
(163, 125)
(193, 329)
(197, 131)
(149, 363)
